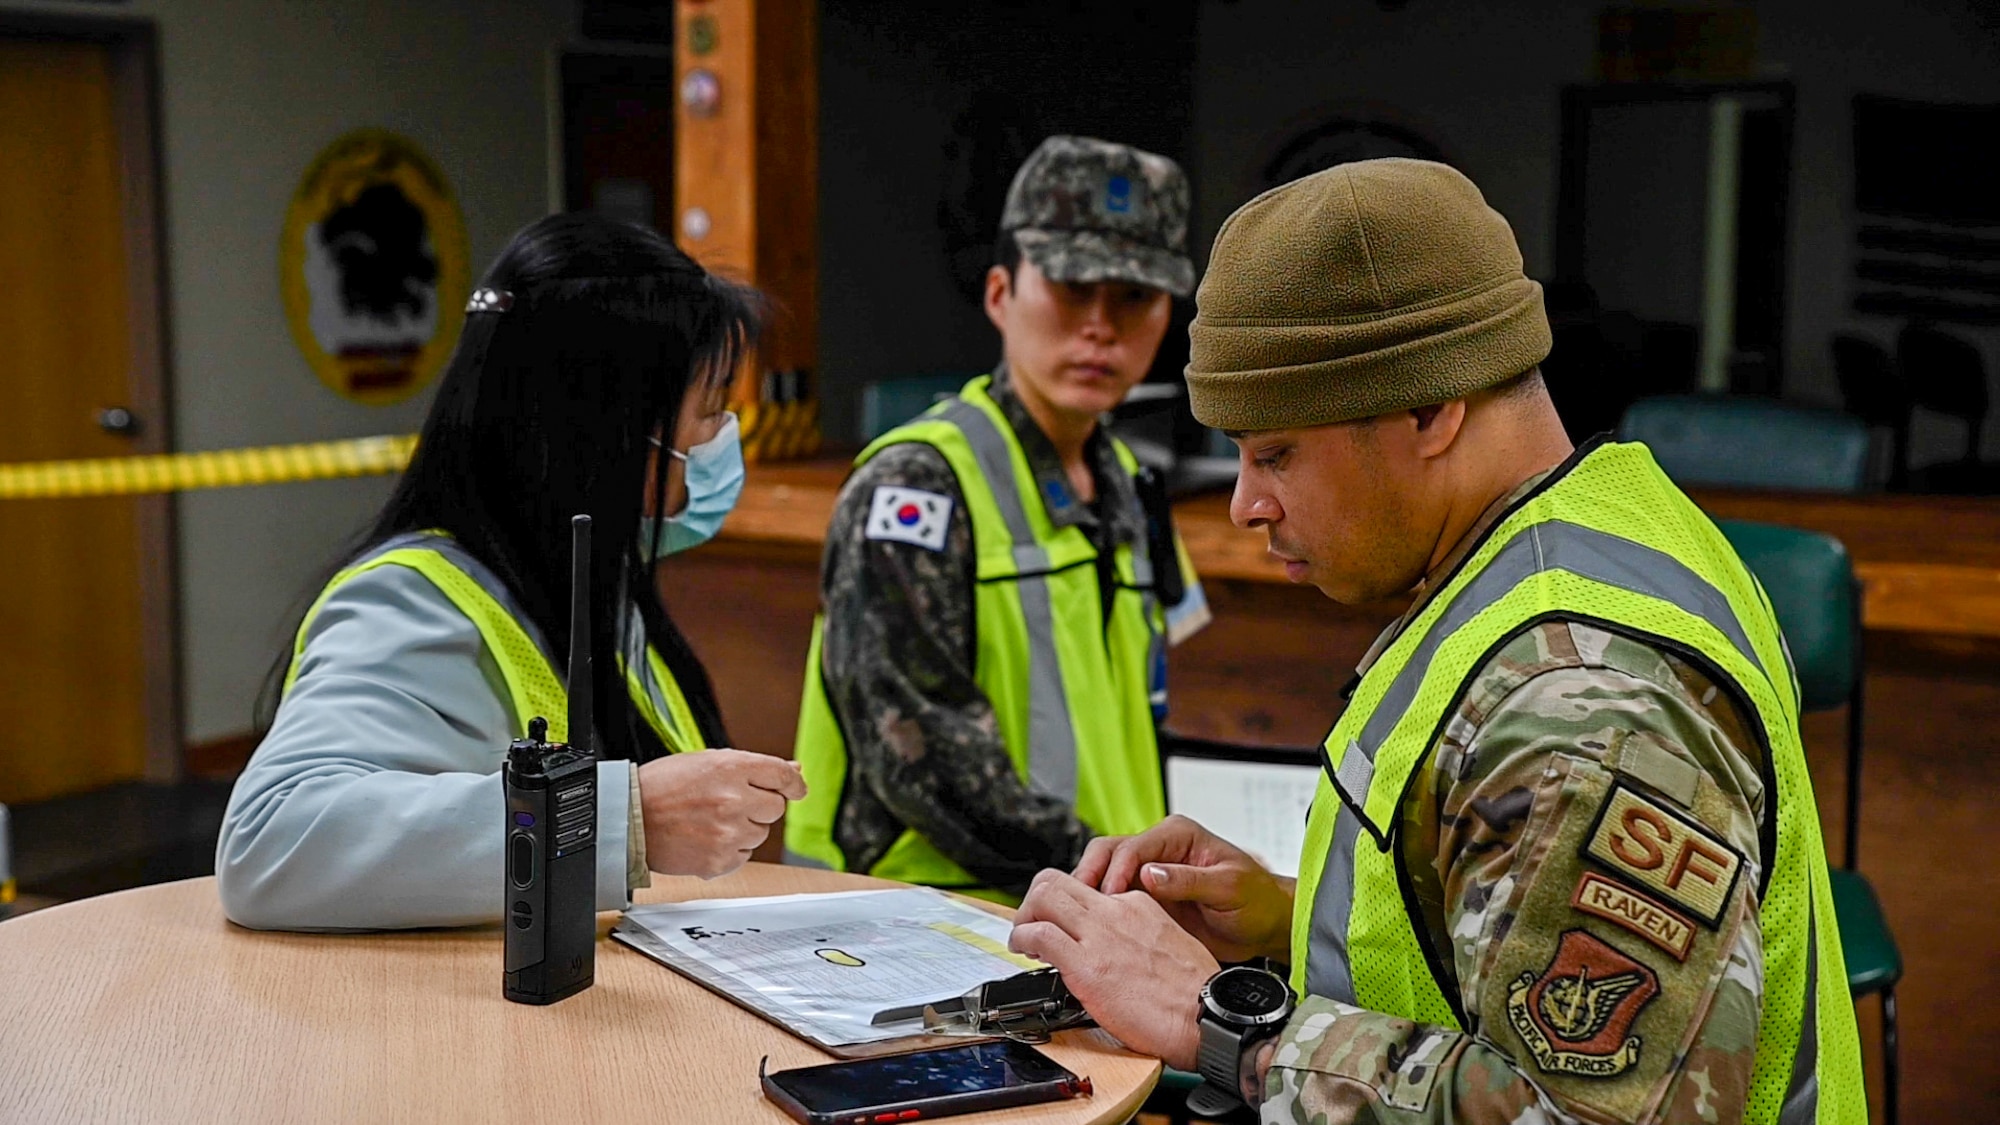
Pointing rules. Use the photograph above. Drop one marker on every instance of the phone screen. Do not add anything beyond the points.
(923, 1076)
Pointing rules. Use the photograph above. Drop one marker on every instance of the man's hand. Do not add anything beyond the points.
(1212, 888)
(1136, 972)
(706, 812)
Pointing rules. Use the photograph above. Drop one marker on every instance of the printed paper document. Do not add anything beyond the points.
(824, 965)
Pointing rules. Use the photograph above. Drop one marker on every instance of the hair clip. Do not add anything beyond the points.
(489, 300)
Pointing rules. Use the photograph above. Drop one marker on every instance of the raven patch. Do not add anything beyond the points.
(1622, 906)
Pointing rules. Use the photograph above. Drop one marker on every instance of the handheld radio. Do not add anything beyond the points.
(551, 904)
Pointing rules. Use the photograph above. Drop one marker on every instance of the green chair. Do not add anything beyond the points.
(1810, 581)
(888, 403)
(1750, 443)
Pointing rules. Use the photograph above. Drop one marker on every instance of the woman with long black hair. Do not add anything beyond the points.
(590, 379)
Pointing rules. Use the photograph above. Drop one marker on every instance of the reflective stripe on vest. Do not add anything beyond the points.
(533, 687)
(1802, 1092)
(1070, 690)
(1552, 545)
(1051, 736)
(1540, 560)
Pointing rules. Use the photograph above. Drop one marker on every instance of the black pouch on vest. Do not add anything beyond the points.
(1168, 586)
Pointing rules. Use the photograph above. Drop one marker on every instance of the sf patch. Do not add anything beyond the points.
(909, 515)
(1576, 1017)
(1659, 850)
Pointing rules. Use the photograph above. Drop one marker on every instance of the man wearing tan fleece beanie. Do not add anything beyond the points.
(1564, 862)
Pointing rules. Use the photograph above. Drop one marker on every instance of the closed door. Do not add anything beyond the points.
(73, 668)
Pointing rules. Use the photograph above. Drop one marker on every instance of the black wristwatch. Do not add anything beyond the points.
(1241, 1006)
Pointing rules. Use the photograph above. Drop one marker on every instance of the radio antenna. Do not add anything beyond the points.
(582, 689)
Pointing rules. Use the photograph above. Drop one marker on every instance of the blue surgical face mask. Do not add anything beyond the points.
(714, 471)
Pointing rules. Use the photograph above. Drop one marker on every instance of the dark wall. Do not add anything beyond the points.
(1482, 80)
(926, 107)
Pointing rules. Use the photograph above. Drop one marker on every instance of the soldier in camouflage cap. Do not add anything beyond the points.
(911, 710)
(1548, 877)
(1087, 210)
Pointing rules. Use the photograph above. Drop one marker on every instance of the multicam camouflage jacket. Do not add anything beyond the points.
(1545, 950)
(898, 657)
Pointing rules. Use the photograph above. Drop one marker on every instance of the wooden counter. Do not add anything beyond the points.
(1930, 564)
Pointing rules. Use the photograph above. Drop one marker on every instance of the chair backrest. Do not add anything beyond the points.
(1869, 387)
(1945, 373)
(888, 403)
(1810, 580)
(1750, 443)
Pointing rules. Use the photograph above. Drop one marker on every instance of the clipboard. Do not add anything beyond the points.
(740, 987)
(644, 942)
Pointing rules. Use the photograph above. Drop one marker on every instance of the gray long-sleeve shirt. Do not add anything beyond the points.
(375, 801)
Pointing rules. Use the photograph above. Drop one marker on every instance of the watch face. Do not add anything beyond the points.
(1248, 993)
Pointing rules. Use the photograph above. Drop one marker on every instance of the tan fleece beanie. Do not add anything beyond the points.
(1368, 288)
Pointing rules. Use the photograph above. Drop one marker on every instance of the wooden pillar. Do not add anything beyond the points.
(747, 192)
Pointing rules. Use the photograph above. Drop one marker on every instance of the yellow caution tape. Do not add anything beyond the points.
(222, 468)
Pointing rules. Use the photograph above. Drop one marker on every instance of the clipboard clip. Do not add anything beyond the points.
(1028, 1007)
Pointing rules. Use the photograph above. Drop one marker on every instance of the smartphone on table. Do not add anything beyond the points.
(922, 1085)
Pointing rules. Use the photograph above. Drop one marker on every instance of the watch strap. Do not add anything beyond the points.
(1219, 1053)
(1210, 1101)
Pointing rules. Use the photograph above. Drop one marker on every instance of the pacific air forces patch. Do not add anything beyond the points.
(1576, 1017)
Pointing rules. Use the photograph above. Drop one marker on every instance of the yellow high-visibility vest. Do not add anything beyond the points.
(1073, 694)
(1609, 539)
(533, 687)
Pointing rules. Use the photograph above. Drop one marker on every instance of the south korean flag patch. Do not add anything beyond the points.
(909, 515)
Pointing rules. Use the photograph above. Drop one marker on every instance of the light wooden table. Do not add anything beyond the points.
(147, 1005)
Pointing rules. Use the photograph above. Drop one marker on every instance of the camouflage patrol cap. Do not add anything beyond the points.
(1082, 209)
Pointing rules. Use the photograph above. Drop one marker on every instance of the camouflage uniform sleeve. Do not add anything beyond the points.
(898, 654)
(1594, 806)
